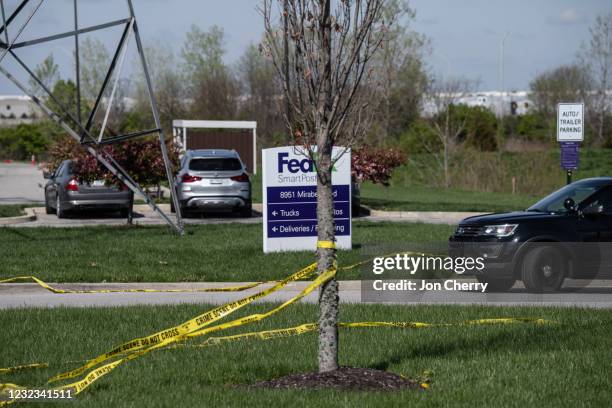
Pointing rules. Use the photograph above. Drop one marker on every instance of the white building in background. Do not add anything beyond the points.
(500, 103)
(16, 109)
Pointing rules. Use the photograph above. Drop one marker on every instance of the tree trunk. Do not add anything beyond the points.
(328, 295)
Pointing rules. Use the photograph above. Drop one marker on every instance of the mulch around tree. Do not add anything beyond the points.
(345, 378)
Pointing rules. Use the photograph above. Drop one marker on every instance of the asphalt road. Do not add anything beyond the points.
(597, 294)
(21, 183)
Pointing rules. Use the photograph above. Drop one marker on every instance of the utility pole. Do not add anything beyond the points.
(500, 111)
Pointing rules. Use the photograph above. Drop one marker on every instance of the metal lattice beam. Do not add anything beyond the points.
(73, 124)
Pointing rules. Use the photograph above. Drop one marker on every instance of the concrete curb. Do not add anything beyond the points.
(30, 216)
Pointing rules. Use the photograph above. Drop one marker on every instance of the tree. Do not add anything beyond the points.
(94, 63)
(401, 71)
(168, 83)
(48, 73)
(214, 89)
(567, 83)
(444, 97)
(260, 90)
(329, 54)
(598, 60)
(64, 97)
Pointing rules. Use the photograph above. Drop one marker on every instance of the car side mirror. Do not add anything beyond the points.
(569, 204)
(48, 174)
(593, 210)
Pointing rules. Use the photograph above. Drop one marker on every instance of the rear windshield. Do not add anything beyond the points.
(215, 164)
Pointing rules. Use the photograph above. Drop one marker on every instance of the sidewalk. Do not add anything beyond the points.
(598, 294)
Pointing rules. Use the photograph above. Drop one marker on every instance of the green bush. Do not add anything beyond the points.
(420, 138)
(22, 141)
(481, 128)
(533, 127)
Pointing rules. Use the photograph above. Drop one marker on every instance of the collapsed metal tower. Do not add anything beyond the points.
(76, 127)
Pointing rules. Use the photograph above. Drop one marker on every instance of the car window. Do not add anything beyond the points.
(60, 170)
(603, 199)
(215, 164)
(578, 192)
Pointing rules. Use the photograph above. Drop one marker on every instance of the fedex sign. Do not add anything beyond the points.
(290, 199)
(294, 165)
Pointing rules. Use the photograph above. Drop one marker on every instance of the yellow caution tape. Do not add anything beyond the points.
(241, 288)
(198, 326)
(173, 333)
(326, 244)
(97, 373)
(69, 291)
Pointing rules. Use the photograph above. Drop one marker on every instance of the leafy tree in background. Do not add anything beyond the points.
(567, 83)
(168, 84)
(597, 57)
(260, 93)
(400, 71)
(48, 73)
(94, 62)
(448, 122)
(212, 86)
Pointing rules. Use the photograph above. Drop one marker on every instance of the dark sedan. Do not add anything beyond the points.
(64, 194)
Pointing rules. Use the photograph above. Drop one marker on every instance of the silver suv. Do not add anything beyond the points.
(213, 180)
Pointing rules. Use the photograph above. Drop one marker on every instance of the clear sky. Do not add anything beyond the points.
(466, 35)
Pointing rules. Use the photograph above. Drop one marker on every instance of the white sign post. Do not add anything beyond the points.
(289, 183)
(570, 122)
(570, 133)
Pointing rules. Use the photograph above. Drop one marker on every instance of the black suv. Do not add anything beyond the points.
(563, 235)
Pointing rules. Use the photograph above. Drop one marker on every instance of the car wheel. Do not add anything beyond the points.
(48, 208)
(496, 285)
(61, 213)
(543, 269)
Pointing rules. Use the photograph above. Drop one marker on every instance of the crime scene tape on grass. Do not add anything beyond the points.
(55, 290)
(195, 327)
(141, 346)
(191, 325)
(309, 327)
(275, 334)
(99, 372)
(240, 288)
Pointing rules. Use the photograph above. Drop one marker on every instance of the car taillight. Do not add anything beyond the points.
(72, 185)
(243, 178)
(188, 178)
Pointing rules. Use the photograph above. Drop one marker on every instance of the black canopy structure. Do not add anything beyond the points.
(77, 125)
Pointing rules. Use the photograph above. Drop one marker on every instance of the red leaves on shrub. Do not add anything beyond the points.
(375, 164)
(142, 159)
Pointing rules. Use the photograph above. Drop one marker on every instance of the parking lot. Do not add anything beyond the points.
(21, 183)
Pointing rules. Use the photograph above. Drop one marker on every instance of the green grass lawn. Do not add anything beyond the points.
(562, 365)
(421, 198)
(12, 210)
(230, 252)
